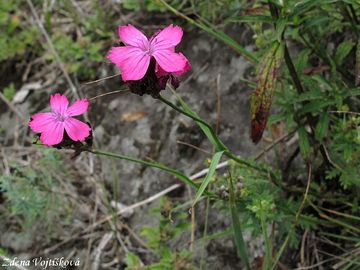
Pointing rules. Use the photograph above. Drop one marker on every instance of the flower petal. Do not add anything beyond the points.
(76, 129)
(167, 38)
(53, 134)
(40, 121)
(161, 72)
(170, 61)
(59, 103)
(130, 35)
(186, 68)
(132, 61)
(79, 107)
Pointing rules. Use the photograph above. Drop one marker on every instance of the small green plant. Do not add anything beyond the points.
(159, 239)
(9, 91)
(15, 35)
(345, 150)
(31, 191)
(79, 56)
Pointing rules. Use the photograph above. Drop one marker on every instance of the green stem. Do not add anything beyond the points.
(334, 220)
(290, 65)
(244, 162)
(176, 173)
(239, 240)
(296, 80)
(202, 260)
(268, 248)
(219, 144)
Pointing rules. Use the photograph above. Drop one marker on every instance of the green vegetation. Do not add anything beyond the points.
(169, 229)
(33, 192)
(16, 35)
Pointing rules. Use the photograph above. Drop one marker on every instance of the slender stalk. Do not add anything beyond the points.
(219, 144)
(244, 162)
(268, 248)
(239, 240)
(176, 173)
(288, 61)
(202, 260)
(109, 93)
(295, 78)
(102, 79)
(334, 220)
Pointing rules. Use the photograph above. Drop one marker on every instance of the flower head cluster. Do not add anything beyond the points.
(52, 124)
(134, 59)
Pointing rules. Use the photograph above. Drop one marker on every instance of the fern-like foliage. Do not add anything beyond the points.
(31, 191)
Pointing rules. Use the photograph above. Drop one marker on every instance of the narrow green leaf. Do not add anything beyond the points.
(280, 28)
(302, 60)
(342, 51)
(252, 18)
(309, 22)
(302, 6)
(239, 240)
(304, 143)
(322, 127)
(315, 106)
(307, 5)
(352, 92)
(357, 67)
(217, 235)
(214, 162)
(276, 118)
(311, 95)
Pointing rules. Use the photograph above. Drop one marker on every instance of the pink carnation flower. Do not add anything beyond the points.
(51, 125)
(134, 58)
(163, 76)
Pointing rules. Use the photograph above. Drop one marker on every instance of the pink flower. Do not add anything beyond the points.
(134, 58)
(164, 76)
(51, 125)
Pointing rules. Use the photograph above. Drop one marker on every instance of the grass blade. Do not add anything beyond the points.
(160, 166)
(214, 162)
(252, 19)
(239, 240)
